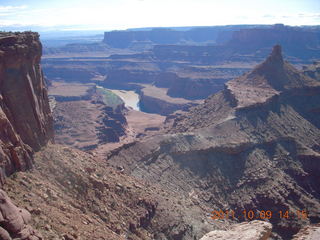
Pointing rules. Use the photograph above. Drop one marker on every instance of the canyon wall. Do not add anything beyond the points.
(123, 39)
(174, 35)
(156, 105)
(194, 88)
(284, 35)
(25, 117)
(296, 42)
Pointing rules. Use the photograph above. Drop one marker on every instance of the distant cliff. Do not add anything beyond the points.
(296, 41)
(173, 35)
(284, 35)
(25, 116)
(123, 39)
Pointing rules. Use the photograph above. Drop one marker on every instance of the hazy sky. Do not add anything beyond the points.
(122, 14)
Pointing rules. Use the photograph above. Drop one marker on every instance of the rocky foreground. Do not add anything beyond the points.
(72, 195)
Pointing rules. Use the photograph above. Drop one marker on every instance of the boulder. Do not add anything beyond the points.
(311, 232)
(14, 221)
(255, 230)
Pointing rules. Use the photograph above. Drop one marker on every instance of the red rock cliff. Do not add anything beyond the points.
(25, 116)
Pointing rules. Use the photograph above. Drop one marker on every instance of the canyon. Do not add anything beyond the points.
(173, 76)
(187, 61)
(220, 129)
(253, 145)
(62, 192)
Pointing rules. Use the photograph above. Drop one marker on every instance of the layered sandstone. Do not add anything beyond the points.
(25, 116)
(63, 92)
(123, 39)
(287, 36)
(189, 35)
(156, 100)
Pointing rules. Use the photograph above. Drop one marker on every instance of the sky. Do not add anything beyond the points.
(123, 14)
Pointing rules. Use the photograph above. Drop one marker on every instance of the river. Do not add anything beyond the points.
(130, 98)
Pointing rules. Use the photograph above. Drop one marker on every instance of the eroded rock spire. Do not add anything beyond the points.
(276, 55)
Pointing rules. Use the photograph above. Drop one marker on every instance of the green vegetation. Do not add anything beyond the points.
(109, 98)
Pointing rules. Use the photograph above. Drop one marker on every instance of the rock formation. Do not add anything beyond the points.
(289, 38)
(254, 145)
(267, 81)
(84, 117)
(14, 221)
(76, 195)
(175, 35)
(313, 70)
(72, 92)
(311, 232)
(184, 52)
(123, 39)
(25, 116)
(194, 88)
(151, 104)
(26, 123)
(255, 230)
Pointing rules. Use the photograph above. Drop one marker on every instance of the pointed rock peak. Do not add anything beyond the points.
(276, 51)
(270, 73)
(267, 80)
(276, 54)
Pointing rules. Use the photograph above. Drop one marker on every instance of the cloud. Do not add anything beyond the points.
(122, 14)
(268, 16)
(6, 9)
(300, 18)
